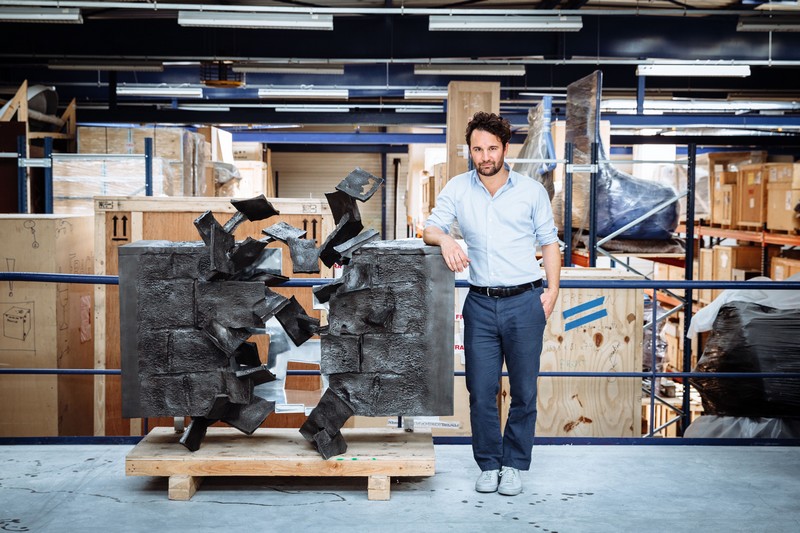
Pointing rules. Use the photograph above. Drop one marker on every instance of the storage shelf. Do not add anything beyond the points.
(762, 237)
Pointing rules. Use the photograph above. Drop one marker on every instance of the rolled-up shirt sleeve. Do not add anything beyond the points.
(543, 224)
(443, 215)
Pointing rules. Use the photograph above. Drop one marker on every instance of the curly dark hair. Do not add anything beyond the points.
(489, 122)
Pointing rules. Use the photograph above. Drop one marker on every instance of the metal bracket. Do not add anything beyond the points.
(29, 162)
(572, 169)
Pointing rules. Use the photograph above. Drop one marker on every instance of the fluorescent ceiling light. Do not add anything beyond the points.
(160, 90)
(470, 70)
(41, 14)
(79, 64)
(334, 94)
(694, 69)
(424, 94)
(201, 107)
(771, 23)
(295, 108)
(419, 109)
(698, 106)
(290, 68)
(274, 21)
(503, 23)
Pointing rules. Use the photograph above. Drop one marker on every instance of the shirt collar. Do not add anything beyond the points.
(512, 177)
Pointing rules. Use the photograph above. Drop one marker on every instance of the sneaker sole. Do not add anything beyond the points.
(485, 491)
(509, 492)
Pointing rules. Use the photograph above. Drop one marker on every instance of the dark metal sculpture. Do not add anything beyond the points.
(382, 353)
(188, 310)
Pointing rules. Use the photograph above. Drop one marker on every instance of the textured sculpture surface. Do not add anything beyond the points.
(383, 353)
(188, 310)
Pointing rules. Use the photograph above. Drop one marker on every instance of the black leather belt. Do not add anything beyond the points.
(504, 292)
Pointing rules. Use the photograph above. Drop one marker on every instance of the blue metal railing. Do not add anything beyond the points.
(565, 284)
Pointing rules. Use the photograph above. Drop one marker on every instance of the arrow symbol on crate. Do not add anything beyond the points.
(586, 318)
(124, 226)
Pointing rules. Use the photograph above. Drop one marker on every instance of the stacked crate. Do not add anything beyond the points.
(783, 196)
(723, 170)
(752, 198)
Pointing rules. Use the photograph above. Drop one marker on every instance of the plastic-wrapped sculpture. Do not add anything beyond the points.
(621, 198)
(188, 310)
(750, 337)
(539, 145)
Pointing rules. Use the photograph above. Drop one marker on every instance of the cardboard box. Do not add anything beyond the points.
(783, 173)
(751, 208)
(782, 199)
(677, 273)
(726, 258)
(722, 170)
(724, 204)
(783, 267)
(248, 151)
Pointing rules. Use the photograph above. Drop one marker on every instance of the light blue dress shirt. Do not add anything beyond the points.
(500, 231)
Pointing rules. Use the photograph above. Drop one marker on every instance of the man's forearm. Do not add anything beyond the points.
(433, 236)
(551, 255)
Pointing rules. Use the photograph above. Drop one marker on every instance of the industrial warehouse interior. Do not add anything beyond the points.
(217, 303)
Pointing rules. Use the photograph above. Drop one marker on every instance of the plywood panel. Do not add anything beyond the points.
(604, 337)
(464, 99)
(46, 325)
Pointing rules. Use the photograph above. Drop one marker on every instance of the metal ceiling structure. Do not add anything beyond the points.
(148, 62)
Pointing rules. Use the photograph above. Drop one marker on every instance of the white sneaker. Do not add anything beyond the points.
(487, 481)
(510, 482)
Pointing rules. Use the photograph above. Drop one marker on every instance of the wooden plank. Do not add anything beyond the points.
(378, 488)
(182, 488)
(201, 205)
(283, 452)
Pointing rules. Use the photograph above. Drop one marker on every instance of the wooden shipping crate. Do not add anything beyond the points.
(724, 205)
(677, 273)
(596, 330)
(248, 151)
(254, 178)
(723, 170)
(783, 173)
(783, 196)
(664, 414)
(46, 325)
(783, 267)
(752, 197)
(706, 273)
(121, 220)
(91, 139)
(726, 258)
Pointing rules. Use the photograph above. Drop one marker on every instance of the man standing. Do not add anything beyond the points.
(501, 214)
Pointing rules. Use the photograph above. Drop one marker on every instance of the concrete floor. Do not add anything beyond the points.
(569, 489)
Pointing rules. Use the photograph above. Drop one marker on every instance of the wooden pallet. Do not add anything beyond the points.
(377, 454)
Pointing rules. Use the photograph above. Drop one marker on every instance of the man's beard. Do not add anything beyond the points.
(489, 171)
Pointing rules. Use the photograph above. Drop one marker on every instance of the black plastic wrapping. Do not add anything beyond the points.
(749, 337)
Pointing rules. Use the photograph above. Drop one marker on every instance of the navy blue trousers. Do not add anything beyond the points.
(496, 330)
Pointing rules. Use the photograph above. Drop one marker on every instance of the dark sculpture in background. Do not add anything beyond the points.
(188, 309)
